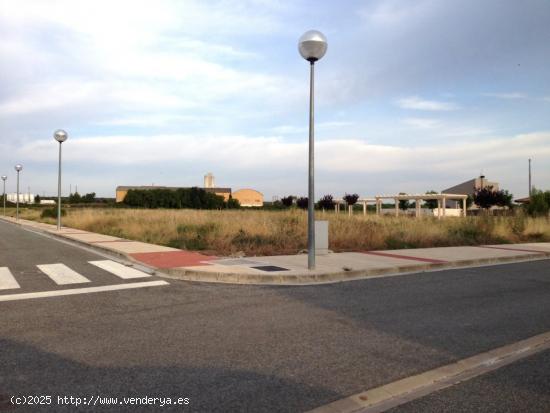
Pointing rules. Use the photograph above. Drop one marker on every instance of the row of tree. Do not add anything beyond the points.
(193, 198)
(74, 198)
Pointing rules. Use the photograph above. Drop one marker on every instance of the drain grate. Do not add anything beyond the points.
(270, 268)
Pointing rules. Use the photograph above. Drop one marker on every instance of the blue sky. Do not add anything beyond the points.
(411, 95)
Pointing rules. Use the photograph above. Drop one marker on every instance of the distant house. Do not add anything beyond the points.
(468, 188)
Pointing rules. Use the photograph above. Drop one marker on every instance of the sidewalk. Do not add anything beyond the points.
(292, 269)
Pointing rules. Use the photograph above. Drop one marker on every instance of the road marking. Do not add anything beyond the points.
(61, 274)
(411, 388)
(7, 281)
(119, 270)
(85, 290)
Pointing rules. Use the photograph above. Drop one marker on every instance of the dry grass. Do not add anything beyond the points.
(284, 232)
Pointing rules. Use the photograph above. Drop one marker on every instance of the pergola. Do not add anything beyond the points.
(377, 200)
(441, 202)
(364, 201)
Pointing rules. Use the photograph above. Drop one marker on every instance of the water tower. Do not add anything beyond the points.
(209, 180)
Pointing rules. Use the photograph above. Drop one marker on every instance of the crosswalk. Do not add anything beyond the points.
(61, 274)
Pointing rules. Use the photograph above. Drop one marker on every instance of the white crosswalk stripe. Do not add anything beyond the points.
(7, 281)
(61, 274)
(119, 270)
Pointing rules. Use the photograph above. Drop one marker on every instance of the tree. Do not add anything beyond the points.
(37, 199)
(302, 202)
(351, 200)
(88, 198)
(326, 202)
(75, 198)
(232, 203)
(404, 204)
(488, 197)
(431, 203)
(287, 201)
(504, 199)
(539, 203)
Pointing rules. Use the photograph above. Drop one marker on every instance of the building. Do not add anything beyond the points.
(209, 180)
(24, 198)
(468, 188)
(121, 191)
(249, 197)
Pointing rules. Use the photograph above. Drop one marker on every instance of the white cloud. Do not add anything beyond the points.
(512, 95)
(253, 153)
(416, 103)
(422, 123)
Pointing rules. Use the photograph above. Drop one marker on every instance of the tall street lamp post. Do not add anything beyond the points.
(18, 168)
(312, 47)
(4, 177)
(60, 136)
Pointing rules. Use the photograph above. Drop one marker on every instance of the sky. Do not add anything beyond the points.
(411, 95)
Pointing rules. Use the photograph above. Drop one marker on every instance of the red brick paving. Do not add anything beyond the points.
(171, 259)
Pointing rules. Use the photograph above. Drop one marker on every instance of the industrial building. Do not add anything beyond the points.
(24, 198)
(246, 197)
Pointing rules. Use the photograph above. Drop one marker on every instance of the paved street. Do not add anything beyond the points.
(521, 387)
(249, 348)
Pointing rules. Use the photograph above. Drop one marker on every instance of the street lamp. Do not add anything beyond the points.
(60, 136)
(4, 177)
(312, 47)
(18, 168)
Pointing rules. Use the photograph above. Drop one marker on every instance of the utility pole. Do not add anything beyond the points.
(530, 187)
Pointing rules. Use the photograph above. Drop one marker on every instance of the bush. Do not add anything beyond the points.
(326, 202)
(351, 199)
(539, 203)
(287, 201)
(194, 198)
(52, 213)
(302, 202)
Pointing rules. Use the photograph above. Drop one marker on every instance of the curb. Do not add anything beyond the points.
(340, 276)
(293, 279)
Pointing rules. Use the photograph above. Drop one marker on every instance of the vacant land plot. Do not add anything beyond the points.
(230, 232)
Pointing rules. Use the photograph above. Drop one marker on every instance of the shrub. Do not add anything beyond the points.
(194, 198)
(539, 203)
(326, 202)
(431, 203)
(52, 213)
(404, 204)
(351, 199)
(302, 202)
(287, 200)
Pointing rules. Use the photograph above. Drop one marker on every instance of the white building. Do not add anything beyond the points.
(24, 198)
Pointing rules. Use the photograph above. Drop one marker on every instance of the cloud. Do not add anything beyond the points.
(416, 103)
(421, 123)
(514, 95)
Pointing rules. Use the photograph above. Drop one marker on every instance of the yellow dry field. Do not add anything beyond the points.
(254, 232)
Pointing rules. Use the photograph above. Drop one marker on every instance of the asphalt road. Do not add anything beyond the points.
(520, 387)
(249, 348)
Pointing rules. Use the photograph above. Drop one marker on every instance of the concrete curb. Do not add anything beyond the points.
(339, 276)
(314, 278)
